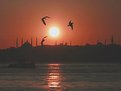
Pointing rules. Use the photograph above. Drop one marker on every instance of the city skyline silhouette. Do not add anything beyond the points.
(93, 20)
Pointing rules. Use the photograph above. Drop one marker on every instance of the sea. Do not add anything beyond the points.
(62, 77)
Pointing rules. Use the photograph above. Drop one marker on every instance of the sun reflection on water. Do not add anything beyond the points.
(54, 77)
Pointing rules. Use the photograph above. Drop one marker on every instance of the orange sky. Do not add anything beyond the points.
(93, 20)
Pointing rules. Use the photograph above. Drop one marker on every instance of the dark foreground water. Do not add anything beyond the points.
(62, 77)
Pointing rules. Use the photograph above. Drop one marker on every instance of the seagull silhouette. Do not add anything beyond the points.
(70, 24)
(44, 18)
(43, 39)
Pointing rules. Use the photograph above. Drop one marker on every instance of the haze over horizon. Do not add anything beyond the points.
(93, 20)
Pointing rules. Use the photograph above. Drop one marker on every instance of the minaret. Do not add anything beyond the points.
(17, 42)
(112, 40)
(31, 40)
(22, 41)
(105, 42)
(66, 43)
(36, 42)
(55, 43)
(70, 43)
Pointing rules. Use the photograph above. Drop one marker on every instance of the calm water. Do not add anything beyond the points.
(62, 77)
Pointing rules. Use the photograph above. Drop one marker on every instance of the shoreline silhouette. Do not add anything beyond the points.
(62, 53)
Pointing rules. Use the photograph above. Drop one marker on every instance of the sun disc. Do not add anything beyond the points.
(54, 31)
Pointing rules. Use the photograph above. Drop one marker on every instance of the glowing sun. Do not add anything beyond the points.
(54, 31)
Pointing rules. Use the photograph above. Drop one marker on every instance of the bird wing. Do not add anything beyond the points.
(69, 23)
(45, 37)
(43, 21)
(72, 27)
(47, 16)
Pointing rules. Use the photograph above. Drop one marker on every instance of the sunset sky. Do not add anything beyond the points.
(93, 20)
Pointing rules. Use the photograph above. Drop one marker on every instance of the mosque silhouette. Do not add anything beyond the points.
(61, 53)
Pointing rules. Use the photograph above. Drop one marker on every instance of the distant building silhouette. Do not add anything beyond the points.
(70, 43)
(36, 42)
(61, 44)
(87, 44)
(22, 41)
(26, 45)
(56, 43)
(97, 41)
(100, 44)
(105, 42)
(31, 41)
(17, 42)
(112, 40)
(66, 43)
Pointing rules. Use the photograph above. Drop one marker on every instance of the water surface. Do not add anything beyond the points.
(62, 77)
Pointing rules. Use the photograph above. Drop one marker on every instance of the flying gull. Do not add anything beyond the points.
(70, 24)
(43, 39)
(44, 18)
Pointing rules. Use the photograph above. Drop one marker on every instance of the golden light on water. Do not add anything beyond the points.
(54, 77)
